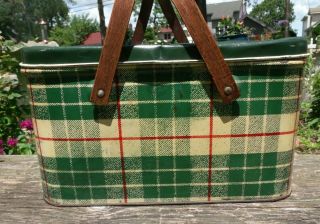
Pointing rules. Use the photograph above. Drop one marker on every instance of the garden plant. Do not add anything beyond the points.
(16, 131)
(309, 131)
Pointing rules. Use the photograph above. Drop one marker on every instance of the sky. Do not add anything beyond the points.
(301, 8)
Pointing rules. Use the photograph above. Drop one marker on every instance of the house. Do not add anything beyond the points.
(165, 34)
(237, 11)
(257, 27)
(311, 20)
(216, 11)
(93, 39)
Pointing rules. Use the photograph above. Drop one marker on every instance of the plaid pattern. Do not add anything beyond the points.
(165, 136)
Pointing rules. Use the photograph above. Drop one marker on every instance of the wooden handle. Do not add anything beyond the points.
(173, 21)
(111, 51)
(197, 27)
(145, 11)
(209, 50)
(168, 11)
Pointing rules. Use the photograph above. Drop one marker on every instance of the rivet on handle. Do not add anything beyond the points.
(228, 90)
(101, 93)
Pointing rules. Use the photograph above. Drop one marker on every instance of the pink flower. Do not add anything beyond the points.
(26, 124)
(298, 142)
(12, 142)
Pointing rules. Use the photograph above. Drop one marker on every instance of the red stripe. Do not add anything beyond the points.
(166, 137)
(210, 148)
(39, 145)
(124, 183)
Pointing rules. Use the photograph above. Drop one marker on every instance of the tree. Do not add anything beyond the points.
(19, 18)
(156, 21)
(316, 32)
(228, 27)
(157, 18)
(272, 12)
(150, 35)
(75, 32)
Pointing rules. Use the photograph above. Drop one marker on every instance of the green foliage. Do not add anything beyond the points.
(7, 62)
(156, 21)
(315, 103)
(309, 132)
(271, 12)
(228, 27)
(150, 35)
(316, 32)
(14, 139)
(20, 140)
(157, 18)
(281, 33)
(75, 32)
(9, 111)
(19, 18)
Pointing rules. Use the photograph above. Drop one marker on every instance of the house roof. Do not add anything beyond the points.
(93, 39)
(260, 23)
(223, 9)
(314, 10)
(313, 26)
(165, 30)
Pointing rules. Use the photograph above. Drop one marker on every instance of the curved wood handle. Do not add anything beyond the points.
(145, 11)
(197, 27)
(168, 11)
(208, 48)
(111, 51)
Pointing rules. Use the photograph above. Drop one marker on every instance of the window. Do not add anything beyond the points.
(167, 36)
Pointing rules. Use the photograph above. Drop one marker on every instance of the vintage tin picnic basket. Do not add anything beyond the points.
(166, 136)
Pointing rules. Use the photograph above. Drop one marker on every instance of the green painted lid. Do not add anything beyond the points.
(230, 49)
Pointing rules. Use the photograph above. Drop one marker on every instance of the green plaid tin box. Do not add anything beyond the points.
(165, 136)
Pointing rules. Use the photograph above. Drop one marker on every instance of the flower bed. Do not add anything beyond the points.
(16, 131)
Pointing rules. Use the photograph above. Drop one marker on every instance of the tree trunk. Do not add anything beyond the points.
(102, 20)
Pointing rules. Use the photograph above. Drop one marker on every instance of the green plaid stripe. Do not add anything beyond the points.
(227, 172)
(165, 119)
(141, 94)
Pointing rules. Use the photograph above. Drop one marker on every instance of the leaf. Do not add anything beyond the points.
(7, 89)
(10, 97)
(6, 120)
(28, 152)
(314, 122)
(16, 95)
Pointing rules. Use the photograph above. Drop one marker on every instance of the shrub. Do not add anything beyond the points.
(75, 32)
(228, 27)
(309, 132)
(16, 132)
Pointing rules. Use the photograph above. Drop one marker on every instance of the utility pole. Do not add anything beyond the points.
(44, 31)
(286, 32)
(102, 20)
(243, 10)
